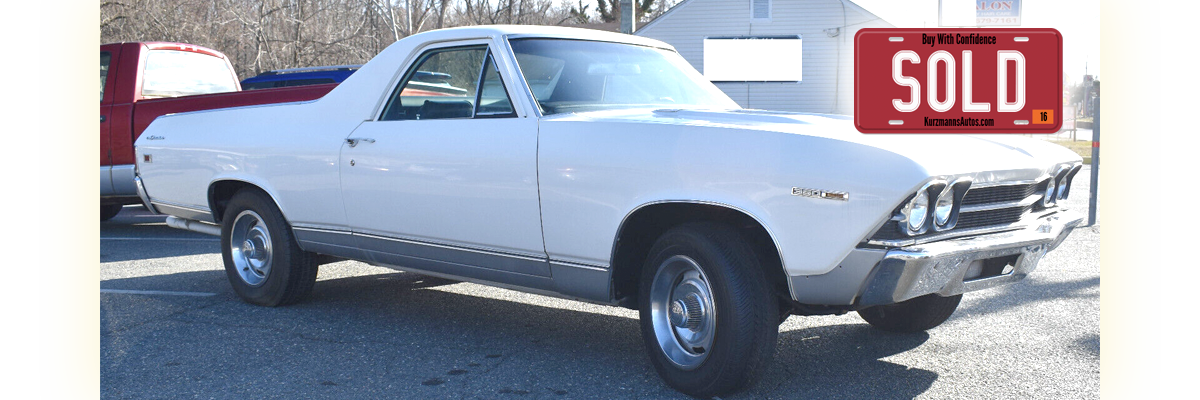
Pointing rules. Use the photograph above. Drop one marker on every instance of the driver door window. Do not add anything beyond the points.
(443, 85)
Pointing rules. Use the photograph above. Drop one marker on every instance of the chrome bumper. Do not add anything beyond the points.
(141, 191)
(873, 277)
(942, 267)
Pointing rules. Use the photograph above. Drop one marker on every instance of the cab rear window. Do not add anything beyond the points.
(171, 73)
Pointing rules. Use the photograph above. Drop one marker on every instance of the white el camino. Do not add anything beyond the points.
(602, 167)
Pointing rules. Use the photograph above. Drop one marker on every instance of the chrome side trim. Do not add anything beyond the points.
(476, 250)
(1033, 198)
(384, 248)
(141, 190)
(540, 286)
(527, 274)
(328, 241)
(592, 267)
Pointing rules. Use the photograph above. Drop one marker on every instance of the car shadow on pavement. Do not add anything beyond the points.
(435, 338)
(845, 362)
(1010, 297)
(131, 250)
(135, 234)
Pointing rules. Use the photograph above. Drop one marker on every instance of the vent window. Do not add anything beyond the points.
(760, 9)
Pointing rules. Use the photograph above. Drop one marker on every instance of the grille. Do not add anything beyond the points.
(977, 219)
(998, 194)
(991, 217)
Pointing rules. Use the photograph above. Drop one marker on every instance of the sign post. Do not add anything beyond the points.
(1095, 165)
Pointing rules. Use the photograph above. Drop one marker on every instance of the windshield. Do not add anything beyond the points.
(576, 75)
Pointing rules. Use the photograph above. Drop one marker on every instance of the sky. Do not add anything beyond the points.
(1076, 20)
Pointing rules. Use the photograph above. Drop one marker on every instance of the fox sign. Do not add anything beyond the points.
(958, 80)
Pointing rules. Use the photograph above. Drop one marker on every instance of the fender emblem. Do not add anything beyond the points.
(152, 137)
(820, 194)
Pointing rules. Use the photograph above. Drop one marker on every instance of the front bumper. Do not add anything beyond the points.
(947, 267)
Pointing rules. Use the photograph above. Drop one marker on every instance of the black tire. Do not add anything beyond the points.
(912, 315)
(290, 273)
(108, 211)
(785, 311)
(745, 326)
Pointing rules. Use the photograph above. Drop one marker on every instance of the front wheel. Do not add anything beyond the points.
(709, 321)
(912, 315)
(264, 264)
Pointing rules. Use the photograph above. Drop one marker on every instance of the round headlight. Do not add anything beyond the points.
(1051, 189)
(1062, 189)
(943, 207)
(916, 211)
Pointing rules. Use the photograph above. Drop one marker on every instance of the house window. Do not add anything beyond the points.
(760, 9)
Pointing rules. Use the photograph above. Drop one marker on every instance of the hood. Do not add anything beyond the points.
(939, 153)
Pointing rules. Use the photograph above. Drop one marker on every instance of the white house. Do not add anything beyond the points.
(822, 30)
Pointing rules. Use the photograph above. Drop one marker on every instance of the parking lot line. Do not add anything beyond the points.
(157, 292)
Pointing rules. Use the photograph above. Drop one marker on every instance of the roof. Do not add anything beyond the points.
(158, 45)
(479, 31)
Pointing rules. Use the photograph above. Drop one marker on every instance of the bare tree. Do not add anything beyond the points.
(610, 10)
(262, 35)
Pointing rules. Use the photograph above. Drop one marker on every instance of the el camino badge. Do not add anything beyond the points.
(820, 194)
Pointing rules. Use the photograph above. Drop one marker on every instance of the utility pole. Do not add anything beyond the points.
(628, 19)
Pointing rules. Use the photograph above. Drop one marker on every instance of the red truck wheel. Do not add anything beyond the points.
(108, 211)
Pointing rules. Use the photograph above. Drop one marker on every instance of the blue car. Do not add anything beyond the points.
(299, 77)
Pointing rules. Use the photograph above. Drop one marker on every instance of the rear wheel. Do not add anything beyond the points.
(912, 315)
(108, 211)
(709, 321)
(264, 264)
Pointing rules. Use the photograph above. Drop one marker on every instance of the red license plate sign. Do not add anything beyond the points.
(958, 80)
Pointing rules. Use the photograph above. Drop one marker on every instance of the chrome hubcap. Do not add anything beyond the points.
(682, 312)
(250, 243)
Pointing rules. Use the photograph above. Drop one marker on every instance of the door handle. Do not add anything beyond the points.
(354, 141)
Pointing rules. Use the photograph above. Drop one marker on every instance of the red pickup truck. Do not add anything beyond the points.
(139, 81)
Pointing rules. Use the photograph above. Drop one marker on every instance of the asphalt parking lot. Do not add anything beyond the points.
(171, 327)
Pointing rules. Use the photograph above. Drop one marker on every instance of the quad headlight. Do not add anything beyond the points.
(1059, 184)
(1064, 186)
(917, 212)
(1051, 189)
(944, 207)
(935, 206)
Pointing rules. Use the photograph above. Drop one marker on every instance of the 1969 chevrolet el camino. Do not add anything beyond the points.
(602, 167)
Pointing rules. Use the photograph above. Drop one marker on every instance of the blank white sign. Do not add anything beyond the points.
(752, 59)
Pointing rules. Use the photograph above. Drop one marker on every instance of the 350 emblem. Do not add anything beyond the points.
(820, 194)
